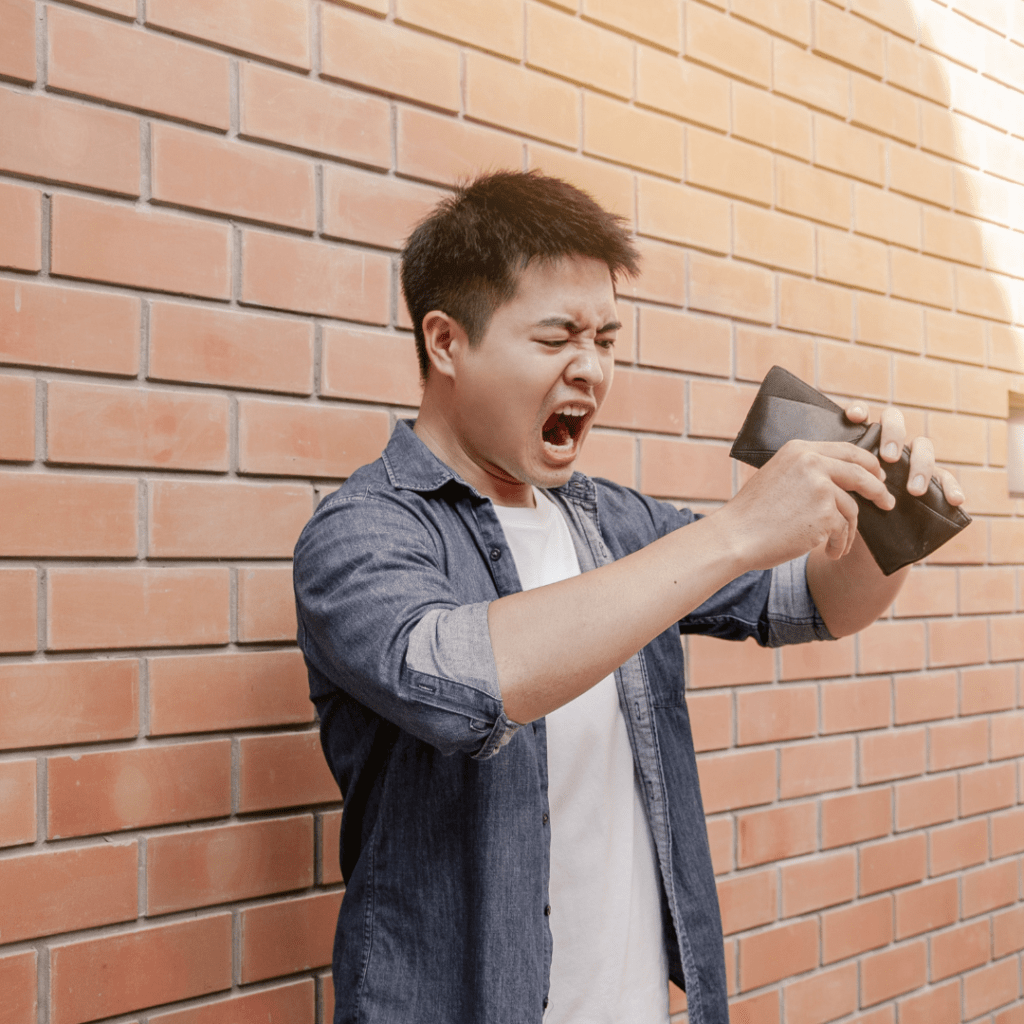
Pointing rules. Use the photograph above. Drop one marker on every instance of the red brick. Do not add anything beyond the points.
(748, 900)
(771, 121)
(784, 713)
(169, 962)
(18, 46)
(821, 882)
(67, 890)
(370, 366)
(663, 274)
(679, 469)
(283, 770)
(54, 514)
(737, 780)
(327, 995)
(20, 213)
(632, 136)
(721, 843)
(893, 863)
(918, 382)
(710, 720)
(1007, 932)
(115, 426)
(778, 953)
(730, 289)
(611, 186)
(55, 139)
(1007, 737)
(892, 647)
(282, 1004)
(443, 150)
(612, 456)
(957, 642)
(18, 983)
(96, 608)
(1007, 833)
(72, 328)
(991, 987)
(772, 238)
(827, 309)
(17, 425)
(143, 249)
(990, 887)
(146, 71)
(717, 410)
(189, 519)
(218, 692)
(891, 755)
(852, 930)
(955, 744)
(289, 936)
(926, 908)
(17, 804)
(921, 698)
(936, 1006)
(330, 847)
(681, 88)
(816, 767)
(313, 277)
(987, 789)
(892, 973)
(927, 592)
(246, 350)
(644, 401)
(18, 610)
(278, 29)
(729, 166)
(927, 801)
(498, 28)
(1008, 638)
(822, 997)
(152, 785)
(818, 661)
(715, 662)
(727, 44)
(266, 604)
(205, 866)
(959, 949)
(62, 702)
(759, 1009)
(892, 218)
(681, 341)
(855, 817)
(813, 192)
(778, 833)
(314, 116)
(986, 590)
(957, 846)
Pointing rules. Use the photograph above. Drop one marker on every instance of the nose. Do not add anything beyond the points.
(585, 367)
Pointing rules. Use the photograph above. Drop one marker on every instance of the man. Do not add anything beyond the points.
(493, 644)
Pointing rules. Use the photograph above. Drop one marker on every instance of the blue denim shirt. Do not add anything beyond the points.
(445, 835)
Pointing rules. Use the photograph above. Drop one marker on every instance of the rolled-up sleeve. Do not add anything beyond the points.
(793, 617)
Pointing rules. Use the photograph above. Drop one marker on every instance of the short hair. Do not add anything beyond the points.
(467, 255)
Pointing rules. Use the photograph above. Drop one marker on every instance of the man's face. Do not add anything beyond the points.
(525, 396)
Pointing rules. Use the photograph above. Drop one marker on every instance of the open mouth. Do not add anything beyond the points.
(563, 429)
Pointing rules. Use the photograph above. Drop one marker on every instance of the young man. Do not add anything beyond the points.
(493, 644)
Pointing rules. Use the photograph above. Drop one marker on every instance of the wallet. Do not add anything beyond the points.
(786, 409)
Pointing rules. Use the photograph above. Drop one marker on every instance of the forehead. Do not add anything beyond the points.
(566, 287)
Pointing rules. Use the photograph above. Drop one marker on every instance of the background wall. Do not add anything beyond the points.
(201, 334)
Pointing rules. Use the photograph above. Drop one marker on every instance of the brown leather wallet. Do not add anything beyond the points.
(786, 409)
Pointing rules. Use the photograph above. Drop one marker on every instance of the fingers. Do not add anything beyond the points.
(922, 465)
(851, 476)
(950, 487)
(894, 434)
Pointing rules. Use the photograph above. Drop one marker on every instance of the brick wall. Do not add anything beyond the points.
(201, 334)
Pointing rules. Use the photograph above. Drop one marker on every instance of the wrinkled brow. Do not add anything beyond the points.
(574, 328)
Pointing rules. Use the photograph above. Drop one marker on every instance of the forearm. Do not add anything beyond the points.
(851, 592)
(553, 643)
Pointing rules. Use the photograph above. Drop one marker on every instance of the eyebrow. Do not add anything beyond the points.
(574, 328)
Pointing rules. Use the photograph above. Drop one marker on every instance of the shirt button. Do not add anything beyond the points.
(544, 818)
(495, 554)
(547, 910)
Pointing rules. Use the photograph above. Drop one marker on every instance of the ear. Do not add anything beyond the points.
(445, 341)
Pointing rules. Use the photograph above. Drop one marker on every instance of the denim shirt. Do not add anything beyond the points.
(445, 832)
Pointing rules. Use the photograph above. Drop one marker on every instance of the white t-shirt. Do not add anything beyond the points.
(608, 961)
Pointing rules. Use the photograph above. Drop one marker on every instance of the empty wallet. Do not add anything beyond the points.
(787, 409)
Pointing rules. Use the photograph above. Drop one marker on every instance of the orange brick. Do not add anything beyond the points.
(443, 150)
(663, 278)
(1007, 541)
(18, 422)
(957, 642)
(1007, 737)
(327, 995)
(887, 216)
(681, 341)
(816, 767)
(891, 864)
(991, 987)
(852, 930)
(68, 889)
(1008, 638)
(731, 289)
(957, 846)
(936, 1006)
(21, 242)
(891, 755)
(735, 780)
(987, 689)
(887, 322)
(99, 58)
(926, 908)
(330, 847)
(923, 383)
(951, 236)
(980, 293)
(1005, 346)
(165, 252)
(892, 973)
(17, 806)
(986, 197)
(776, 834)
(725, 165)
(45, 137)
(676, 213)
(987, 789)
(225, 519)
(657, 21)
(290, 1002)
(678, 469)
(369, 366)
(283, 770)
(768, 716)
(771, 121)
(1007, 932)
(920, 175)
(217, 692)
(892, 647)
(821, 309)
(818, 661)
(927, 591)
(169, 962)
(314, 277)
(774, 239)
(821, 882)
(628, 135)
(205, 866)
(757, 351)
(289, 936)
(114, 426)
(153, 785)
(266, 604)
(779, 953)
(925, 802)
(710, 720)
(824, 996)
(96, 608)
(810, 79)
(278, 29)
(499, 28)
(911, 68)
(759, 1009)
(18, 981)
(62, 702)
(715, 662)
(721, 844)
(58, 515)
(814, 193)
(611, 186)
(848, 39)
(727, 44)
(1007, 833)
(882, 108)
(680, 87)
(850, 151)
(717, 410)
(926, 697)
(958, 438)
(981, 391)
(612, 456)
(18, 46)
(314, 116)
(854, 706)
(748, 900)
(955, 744)
(846, 259)
(641, 400)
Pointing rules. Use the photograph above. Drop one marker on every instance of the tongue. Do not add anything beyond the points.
(556, 431)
